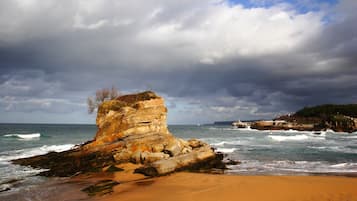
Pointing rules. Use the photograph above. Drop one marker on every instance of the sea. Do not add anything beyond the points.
(259, 152)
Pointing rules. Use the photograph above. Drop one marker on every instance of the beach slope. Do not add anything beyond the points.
(209, 187)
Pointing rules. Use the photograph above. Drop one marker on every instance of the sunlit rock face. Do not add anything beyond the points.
(136, 125)
(136, 115)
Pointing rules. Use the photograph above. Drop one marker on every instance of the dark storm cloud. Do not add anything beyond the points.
(211, 60)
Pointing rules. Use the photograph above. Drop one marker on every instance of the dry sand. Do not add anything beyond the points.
(207, 187)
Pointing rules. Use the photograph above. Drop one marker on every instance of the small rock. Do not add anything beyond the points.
(174, 148)
(148, 157)
(231, 162)
(162, 167)
(194, 143)
(122, 156)
(101, 188)
(203, 156)
(113, 168)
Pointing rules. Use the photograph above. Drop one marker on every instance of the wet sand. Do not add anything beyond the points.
(209, 187)
(56, 189)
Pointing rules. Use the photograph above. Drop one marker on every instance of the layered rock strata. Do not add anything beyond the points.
(131, 128)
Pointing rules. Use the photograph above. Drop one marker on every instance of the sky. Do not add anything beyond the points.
(212, 60)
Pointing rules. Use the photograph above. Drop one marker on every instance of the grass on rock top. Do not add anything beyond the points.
(126, 100)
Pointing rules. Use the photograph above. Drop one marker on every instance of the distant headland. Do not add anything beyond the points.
(339, 118)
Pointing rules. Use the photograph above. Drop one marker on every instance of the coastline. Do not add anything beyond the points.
(200, 186)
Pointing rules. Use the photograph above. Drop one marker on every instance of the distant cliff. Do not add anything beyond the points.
(341, 118)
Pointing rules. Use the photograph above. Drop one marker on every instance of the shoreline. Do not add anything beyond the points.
(196, 186)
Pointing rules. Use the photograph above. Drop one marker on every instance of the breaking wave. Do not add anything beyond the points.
(12, 175)
(23, 153)
(226, 150)
(293, 167)
(233, 142)
(281, 138)
(24, 136)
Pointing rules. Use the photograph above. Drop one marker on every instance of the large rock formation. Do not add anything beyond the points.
(131, 128)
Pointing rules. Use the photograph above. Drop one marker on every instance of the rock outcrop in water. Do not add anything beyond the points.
(339, 118)
(131, 128)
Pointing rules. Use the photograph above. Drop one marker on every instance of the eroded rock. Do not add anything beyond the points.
(131, 128)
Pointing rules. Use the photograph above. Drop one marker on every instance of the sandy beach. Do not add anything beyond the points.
(207, 187)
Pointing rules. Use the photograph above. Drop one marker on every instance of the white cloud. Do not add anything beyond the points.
(13, 85)
(204, 31)
(96, 25)
(221, 31)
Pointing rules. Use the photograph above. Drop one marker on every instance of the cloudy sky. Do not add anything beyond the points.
(211, 59)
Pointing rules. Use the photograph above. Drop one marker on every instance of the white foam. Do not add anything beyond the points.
(248, 128)
(9, 171)
(281, 138)
(23, 153)
(25, 136)
(294, 167)
(214, 128)
(232, 129)
(292, 131)
(339, 165)
(340, 133)
(219, 143)
(232, 142)
(226, 150)
(339, 149)
(350, 137)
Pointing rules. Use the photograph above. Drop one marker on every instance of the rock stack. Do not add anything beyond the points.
(131, 128)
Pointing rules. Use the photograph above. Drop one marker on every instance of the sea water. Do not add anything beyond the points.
(25, 140)
(279, 152)
(260, 152)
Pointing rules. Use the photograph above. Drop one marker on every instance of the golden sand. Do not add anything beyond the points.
(209, 187)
